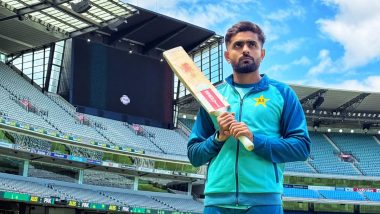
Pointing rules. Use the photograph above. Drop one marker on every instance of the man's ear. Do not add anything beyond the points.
(227, 56)
(262, 53)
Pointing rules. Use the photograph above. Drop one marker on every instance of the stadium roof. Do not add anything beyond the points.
(27, 24)
(340, 100)
(30, 24)
(156, 31)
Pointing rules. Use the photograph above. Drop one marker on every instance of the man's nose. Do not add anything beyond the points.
(245, 50)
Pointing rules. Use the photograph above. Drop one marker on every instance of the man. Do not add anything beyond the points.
(268, 113)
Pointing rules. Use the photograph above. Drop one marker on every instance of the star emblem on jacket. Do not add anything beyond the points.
(261, 101)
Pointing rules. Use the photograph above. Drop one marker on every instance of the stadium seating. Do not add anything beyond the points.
(101, 178)
(373, 196)
(97, 194)
(169, 140)
(364, 148)
(341, 195)
(59, 118)
(13, 110)
(301, 193)
(81, 194)
(87, 153)
(31, 142)
(25, 186)
(324, 160)
(136, 200)
(181, 204)
(120, 134)
(298, 166)
(189, 123)
(39, 172)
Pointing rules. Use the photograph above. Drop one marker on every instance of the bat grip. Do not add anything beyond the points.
(247, 143)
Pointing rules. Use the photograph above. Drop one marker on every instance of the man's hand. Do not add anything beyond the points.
(225, 120)
(238, 129)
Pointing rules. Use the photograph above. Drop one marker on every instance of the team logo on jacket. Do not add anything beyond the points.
(261, 101)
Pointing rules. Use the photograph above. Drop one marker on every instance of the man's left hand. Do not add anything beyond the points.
(238, 129)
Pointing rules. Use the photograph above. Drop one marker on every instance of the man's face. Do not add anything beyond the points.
(245, 52)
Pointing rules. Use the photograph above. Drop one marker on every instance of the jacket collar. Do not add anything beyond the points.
(262, 85)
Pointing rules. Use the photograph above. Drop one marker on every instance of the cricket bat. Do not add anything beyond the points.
(200, 87)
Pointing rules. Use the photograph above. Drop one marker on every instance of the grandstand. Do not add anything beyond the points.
(69, 157)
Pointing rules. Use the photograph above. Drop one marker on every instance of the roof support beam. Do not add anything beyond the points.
(197, 44)
(8, 62)
(313, 95)
(353, 103)
(164, 38)
(130, 30)
(50, 65)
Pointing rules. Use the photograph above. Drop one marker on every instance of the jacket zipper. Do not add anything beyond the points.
(237, 150)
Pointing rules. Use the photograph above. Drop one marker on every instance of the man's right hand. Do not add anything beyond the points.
(225, 120)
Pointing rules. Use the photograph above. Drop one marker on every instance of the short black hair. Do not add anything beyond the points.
(244, 26)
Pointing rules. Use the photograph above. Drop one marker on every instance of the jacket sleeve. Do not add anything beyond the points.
(294, 145)
(202, 146)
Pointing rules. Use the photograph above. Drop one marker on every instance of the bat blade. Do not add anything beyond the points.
(194, 80)
(200, 87)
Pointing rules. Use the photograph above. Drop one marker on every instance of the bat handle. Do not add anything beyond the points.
(248, 145)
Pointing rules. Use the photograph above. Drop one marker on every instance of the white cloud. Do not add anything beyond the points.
(303, 61)
(276, 24)
(357, 28)
(325, 65)
(289, 46)
(273, 31)
(283, 14)
(205, 16)
(370, 84)
(276, 68)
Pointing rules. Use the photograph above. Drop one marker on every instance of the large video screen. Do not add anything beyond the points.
(114, 82)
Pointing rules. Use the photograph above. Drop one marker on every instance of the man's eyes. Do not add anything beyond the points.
(238, 44)
(250, 44)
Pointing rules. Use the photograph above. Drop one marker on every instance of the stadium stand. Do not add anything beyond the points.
(341, 195)
(70, 179)
(30, 142)
(189, 123)
(58, 118)
(323, 157)
(363, 147)
(101, 178)
(90, 193)
(38, 171)
(86, 153)
(300, 193)
(299, 166)
(373, 196)
(25, 186)
(120, 133)
(171, 141)
(13, 110)
(61, 118)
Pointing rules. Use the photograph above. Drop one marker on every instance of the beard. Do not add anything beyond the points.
(246, 65)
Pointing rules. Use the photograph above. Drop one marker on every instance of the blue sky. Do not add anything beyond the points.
(323, 43)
